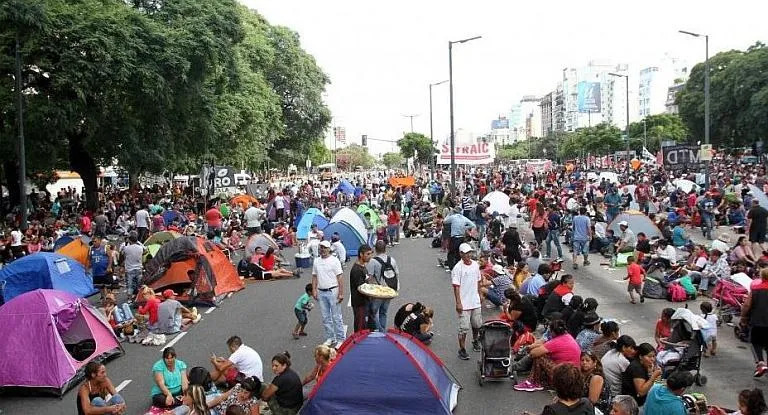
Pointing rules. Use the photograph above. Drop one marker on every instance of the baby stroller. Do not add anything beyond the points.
(496, 338)
(684, 348)
(729, 296)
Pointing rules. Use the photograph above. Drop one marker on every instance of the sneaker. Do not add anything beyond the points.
(575, 266)
(586, 263)
(760, 370)
(642, 299)
(301, 333)
(528, 386)
(463, 354)
(328, 342)
(476, 346)
(197, 319)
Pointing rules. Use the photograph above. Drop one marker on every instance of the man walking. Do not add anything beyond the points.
(459, 225)
(131, 256)
(357, 277)
(582, 233)
(383, 270)
(328, 290)
(142, 223)
(466, 279)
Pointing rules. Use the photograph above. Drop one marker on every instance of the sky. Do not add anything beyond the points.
(382, 56)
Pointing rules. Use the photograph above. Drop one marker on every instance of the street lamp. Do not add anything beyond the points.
(706, 95)
(431, 132)
(645, 134)
(20, 144)
(450, 88)
(626, 78)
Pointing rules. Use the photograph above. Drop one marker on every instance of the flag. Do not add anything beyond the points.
(648, 157)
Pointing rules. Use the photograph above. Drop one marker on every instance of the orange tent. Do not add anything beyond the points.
(402, 181)
(77, 250)
(244, 201)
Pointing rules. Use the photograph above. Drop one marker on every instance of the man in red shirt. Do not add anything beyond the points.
(636, 276)
(213, 218)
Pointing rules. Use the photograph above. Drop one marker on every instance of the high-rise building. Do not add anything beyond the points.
(500, 133)
(547, 126)
(558, 108)
(531, 112)
(654, 83)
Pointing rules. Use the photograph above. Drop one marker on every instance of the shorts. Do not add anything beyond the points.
(301, 316)
(107, 279)
(470, 319)
(635, 287)
(580, 247)
(757, 236)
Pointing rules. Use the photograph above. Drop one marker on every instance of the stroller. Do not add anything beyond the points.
(496, 339)
(729, 296)
(684, 348)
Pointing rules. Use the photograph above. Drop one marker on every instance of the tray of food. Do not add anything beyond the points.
(377, 291)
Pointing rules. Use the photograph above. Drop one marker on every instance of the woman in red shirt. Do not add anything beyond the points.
(149, 309)
(393, 226)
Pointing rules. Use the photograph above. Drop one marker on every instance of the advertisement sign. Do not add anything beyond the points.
(499, 124)
(706, 152)
(468, 154)
(220, 179)
(588, 98)
(680, 157)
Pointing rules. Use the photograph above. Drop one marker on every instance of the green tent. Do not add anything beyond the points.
(370, 215)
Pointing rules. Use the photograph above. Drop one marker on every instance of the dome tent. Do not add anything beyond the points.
(45, 270)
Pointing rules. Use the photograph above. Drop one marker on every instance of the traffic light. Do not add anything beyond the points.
(365, 140)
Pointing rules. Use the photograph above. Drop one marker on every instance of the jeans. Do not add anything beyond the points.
(132, 279)
(707, 223)
(480, 229)
(123, 313)
(554, 236)
(453, 251)
(101, 403)
(331, 311)
(704, 283)
(378, 313)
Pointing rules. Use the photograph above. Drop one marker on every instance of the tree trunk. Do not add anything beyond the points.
(11, 170)
(82, 163)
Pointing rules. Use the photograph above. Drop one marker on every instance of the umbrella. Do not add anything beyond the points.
(759, 195)
(685, 185)
(499, 202)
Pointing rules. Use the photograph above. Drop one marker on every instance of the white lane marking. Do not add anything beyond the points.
(175, 340)
(210, 310)
(122, 385)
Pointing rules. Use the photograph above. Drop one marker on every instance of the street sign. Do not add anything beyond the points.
(705, 152)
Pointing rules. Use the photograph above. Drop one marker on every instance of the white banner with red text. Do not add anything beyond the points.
(468, 154)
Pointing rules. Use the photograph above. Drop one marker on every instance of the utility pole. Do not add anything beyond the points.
(411, 117)
(431, 132)
(450, 100)
(21, 150)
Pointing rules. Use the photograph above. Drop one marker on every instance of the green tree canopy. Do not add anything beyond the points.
(352, 156)
(658, 128)
(392, 160)
(419, 143)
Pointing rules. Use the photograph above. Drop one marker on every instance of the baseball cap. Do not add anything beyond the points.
(498, 269)
(465, 247)
(325, 244)
(623, 223)
(168, 293)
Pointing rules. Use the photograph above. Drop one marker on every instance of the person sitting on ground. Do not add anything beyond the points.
(561, 348)
(742, 253)
(640, 375)
(751, 402)
(521, 274)
(92, 395)
(405, 310)
(665, 399)
(624, 405)
(170, 376)
(493, 288)
(118, 317)
(533, 284)
(559, 297)
(663, 327)
(171, 315)
(284, 395)
(324, 355)
(269, 262)
(149, 311)
(566, 380)
(616, 361)
(419, 325)
(520, 312)
(609, 333)
(244, 395)
(573, 308)
(243, 362)
(590, 333)
(680, 237)
(664, 257)
(595, 388)
(193, 403)
(575, 322)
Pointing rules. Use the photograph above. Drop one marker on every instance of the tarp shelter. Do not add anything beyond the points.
(45, 270)
(370, 215)
(637, 222)
(306, 221)
(353, 219)
(244, 201)
(402, 181)
(350, 238)
(260, 240)
(499, 202)
(759, 195)
(384, 370)
(194, 268)
(345, 187)
(76, 249)
(49, 337)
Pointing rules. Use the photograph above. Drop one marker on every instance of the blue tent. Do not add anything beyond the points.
(391, 371)
(350, 238)
(45, 270)
(306, 221)
(64, 240)
(345, 187)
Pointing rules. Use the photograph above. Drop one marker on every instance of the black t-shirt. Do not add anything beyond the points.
(635, 370)
(643, 246)
(357, 277)
(401, 314)
(759, 217)
(289, 393)
(527, 313)
(412, 323)
(582, 407)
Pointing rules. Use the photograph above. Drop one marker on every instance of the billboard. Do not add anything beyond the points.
(588, 98)
(499, 124)
(340, 134)
(682, 157)
(468, 154)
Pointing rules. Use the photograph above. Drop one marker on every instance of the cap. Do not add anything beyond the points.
(624, 223)
(465, 247)
(325, 244)
(498, 269)
(168, 293)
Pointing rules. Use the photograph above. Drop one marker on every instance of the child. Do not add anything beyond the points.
(710, 333)
(636, 276)
(301, 309)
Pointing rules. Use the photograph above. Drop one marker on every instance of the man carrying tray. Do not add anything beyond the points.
(383, 270)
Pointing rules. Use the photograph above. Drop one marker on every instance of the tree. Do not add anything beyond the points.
(658, 128)
(392, 160)
(352, 156)
(419, 143)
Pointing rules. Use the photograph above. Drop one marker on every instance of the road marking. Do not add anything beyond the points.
(175, 340)
(122, 385)
(210, 310)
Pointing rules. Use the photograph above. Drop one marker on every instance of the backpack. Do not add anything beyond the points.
(388, 274)
(676, 293)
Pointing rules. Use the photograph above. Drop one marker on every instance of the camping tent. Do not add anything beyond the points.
(45, 270)
(195, 268)
(345, 187)
(260, 240)
(417, 382)
(306, 221)
(499, 202)
(77, 249)
(159, 238)
(686, 185)
(50, 336)
(353, 219)
(244, 201)
(373, 218)
(349, 237)
(637, 222)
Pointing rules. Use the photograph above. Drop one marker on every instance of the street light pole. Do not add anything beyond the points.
(21, 149)
(645, 134)
(450, 94)
(706, 96)
(431, 131)
(626, 78)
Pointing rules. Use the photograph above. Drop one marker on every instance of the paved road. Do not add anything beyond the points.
(261, 314)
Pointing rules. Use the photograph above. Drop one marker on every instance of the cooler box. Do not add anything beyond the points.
(303, 261)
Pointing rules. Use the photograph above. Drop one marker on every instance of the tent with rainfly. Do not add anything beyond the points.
(370, 215)
(306, 222)
(44, 270)
(498, 202)
(75, 247)
(49, 337)
(351, 228)
(637, 222)
(407, 379)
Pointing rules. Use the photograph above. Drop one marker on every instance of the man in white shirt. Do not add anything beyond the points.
(466, 279)
(338, 249)
(280, 206)
(142, 223)
(16, 247)
(252, 218)
(132, 255)
(243, 361)
(328, 290)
